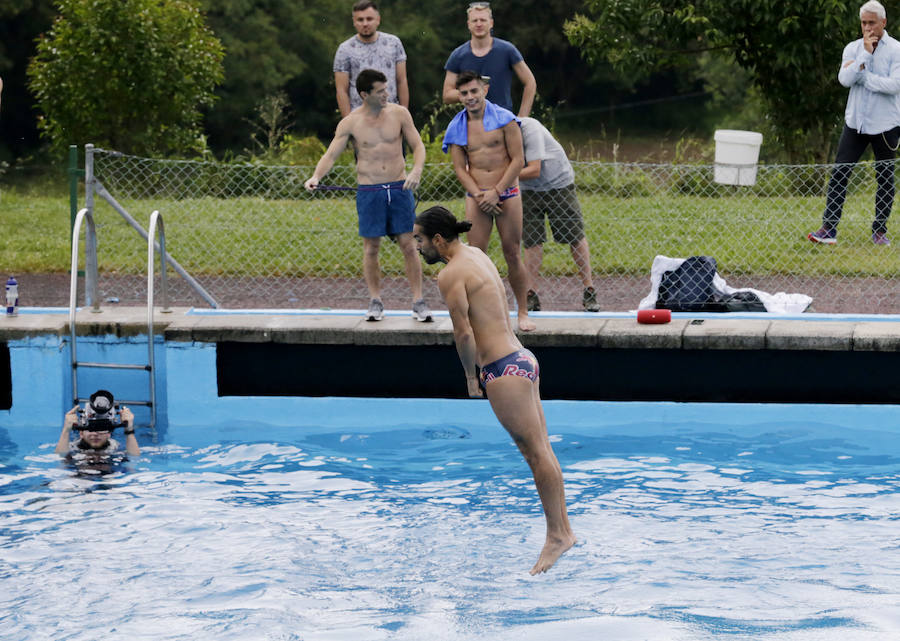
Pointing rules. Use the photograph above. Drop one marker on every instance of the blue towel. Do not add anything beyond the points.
(494, 117)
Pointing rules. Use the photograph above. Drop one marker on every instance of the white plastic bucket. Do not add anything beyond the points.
(737, 153)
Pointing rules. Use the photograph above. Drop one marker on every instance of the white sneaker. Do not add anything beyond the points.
(421, 312)
(376, 310)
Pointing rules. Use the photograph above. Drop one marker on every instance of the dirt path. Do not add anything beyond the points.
(615, 293)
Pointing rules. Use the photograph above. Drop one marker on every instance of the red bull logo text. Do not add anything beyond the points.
(504, 367)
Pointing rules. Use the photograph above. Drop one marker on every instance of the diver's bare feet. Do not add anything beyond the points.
(525, 323)
(553, 549)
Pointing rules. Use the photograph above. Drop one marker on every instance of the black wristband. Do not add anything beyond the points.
(129, 432)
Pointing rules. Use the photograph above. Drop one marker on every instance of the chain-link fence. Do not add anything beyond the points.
(252, 236)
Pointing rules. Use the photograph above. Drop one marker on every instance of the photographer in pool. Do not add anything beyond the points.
(96, 422)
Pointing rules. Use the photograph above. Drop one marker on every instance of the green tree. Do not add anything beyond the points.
(271, 45)
(127, 74)
(21, 21)
(790, 50)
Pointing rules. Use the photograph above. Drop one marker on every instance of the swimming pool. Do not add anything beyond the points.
(387, 519)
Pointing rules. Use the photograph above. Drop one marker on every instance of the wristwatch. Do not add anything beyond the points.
(128, 432)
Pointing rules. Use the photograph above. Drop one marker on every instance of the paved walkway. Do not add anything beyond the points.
(689, 332)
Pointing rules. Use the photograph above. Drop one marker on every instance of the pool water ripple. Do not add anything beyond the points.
(784, 534)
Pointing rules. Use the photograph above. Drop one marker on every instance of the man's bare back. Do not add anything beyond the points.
(488, 312)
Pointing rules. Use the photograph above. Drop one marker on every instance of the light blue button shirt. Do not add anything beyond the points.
(873, 105)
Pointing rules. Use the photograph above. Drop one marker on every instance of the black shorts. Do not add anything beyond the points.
(560, 207)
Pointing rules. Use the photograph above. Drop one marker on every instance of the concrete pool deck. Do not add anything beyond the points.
(598, 332)
(307, 363)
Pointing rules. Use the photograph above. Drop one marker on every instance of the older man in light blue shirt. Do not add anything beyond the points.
(870, 68)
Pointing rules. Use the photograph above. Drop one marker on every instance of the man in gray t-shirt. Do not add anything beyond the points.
(547, 184)
(369, 49)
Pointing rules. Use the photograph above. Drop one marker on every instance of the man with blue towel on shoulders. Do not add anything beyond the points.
(485, 144)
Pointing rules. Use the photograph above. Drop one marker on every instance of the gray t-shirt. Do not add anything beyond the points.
(556, 171)
(354, 55)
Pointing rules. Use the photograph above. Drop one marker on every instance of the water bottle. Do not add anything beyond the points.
(12, 296)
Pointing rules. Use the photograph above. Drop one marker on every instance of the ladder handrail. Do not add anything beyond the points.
(73, 284)
(156, 220)
(91, 269)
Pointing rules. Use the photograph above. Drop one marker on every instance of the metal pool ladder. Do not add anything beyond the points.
(93, 300)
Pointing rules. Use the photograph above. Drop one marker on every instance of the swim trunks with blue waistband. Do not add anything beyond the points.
(519, 363)
(506, 194)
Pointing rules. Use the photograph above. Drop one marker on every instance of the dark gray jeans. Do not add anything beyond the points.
(850, 149)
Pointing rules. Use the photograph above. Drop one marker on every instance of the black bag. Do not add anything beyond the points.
(689, 288)
(738, 302)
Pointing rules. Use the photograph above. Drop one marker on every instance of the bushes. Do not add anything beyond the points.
(131, 75)
(620, 180)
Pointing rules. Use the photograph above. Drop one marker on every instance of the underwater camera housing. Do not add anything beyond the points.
(100, 414)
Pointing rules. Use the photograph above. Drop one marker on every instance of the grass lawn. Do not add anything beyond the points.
(745, 232)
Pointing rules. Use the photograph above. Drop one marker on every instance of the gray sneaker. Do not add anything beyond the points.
(421, 312)
(376, 310)
(589, 300)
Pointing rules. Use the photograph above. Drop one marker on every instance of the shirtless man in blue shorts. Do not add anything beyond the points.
(384, 199)
(476, 298)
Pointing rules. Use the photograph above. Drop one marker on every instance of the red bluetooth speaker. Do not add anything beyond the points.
(654, 316)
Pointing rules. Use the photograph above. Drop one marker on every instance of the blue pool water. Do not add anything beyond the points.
(689, 529)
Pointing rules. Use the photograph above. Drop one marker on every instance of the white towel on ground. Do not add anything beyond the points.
(780, 303)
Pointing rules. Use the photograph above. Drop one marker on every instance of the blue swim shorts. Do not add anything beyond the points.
(519, 363)
(385, 209)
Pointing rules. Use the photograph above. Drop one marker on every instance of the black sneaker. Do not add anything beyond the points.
(532, 302)
(589, 300)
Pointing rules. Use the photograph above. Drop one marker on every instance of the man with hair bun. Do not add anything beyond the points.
(476, 298)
